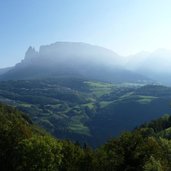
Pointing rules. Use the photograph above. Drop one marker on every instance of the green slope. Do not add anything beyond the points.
(86, 110)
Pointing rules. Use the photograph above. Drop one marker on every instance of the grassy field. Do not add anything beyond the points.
(99, 88)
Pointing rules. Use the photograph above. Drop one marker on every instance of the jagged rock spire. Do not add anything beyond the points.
(31, 52)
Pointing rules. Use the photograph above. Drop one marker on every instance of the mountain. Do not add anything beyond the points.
(76, 92)
(5, 70)
(72, 59)
(91, 62)
(155, 65)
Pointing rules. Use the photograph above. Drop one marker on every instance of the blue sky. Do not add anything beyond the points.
(125, 26)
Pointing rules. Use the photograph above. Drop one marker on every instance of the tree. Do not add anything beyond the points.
(39, 153)
(153, 165)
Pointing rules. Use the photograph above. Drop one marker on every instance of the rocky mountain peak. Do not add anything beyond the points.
(31, 52)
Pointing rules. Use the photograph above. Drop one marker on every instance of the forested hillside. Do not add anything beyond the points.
(23, 146)
(85, 110)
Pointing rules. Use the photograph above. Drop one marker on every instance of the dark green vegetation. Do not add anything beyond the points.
(23, 146)
(84, 110)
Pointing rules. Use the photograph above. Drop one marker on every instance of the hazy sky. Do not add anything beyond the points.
(126, 26)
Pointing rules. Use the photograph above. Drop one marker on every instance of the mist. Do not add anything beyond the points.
(72, 58)
(91, 61)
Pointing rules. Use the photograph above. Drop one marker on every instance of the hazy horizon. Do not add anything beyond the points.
(124, 57)
(126, 27)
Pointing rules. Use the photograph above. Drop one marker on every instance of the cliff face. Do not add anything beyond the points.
(30, 56)
(72, 59)
(68, 52)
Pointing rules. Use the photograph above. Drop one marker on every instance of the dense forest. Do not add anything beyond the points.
(24, 146)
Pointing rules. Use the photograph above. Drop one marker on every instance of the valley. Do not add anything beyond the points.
(86, 110)
(89, 100)
(85, 85)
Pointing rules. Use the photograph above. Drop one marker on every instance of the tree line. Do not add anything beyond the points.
(25, 147)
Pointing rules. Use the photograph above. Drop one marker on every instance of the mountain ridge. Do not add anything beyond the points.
(68, 58)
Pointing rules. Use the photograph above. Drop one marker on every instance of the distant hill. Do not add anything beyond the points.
(155, 65)
(91, 62)
(72, 59)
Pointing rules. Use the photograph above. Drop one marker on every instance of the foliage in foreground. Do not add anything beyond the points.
(25, 147)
